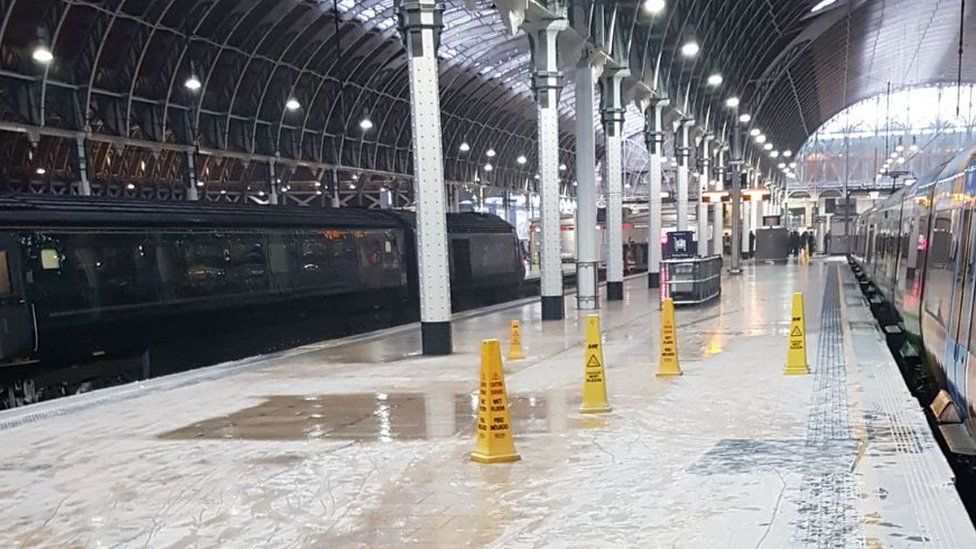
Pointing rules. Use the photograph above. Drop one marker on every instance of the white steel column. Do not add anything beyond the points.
(682, 151)
(84, 184)
(420, 24)
(703, 247)
(718, 244)
(746, 215)
(735, 166)
(455, 198)
(190, 158)
(613, 128)
(747, 211)
(547, 83)
(757, 212)
(654, 137)
(587, 261)
(334, 184)
(272, 184)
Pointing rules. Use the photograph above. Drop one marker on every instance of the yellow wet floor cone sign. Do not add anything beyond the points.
(493, 442)
(796, 350)
(594, 384)
(515, 341)
(669, 341)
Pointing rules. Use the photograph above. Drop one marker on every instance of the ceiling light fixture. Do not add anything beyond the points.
(490, 153)
(732, 102)
(293, 104)
(715, 80)
(42, 54)
(690, 48)
(192, 83)
(464, 147)
(521, 159)
(366, 124)
(654, 7)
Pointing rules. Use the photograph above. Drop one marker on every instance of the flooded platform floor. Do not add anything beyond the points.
(363, 442)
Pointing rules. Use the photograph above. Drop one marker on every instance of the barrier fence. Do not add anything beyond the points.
(692, 281)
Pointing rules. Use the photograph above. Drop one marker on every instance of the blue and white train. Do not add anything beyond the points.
(918, 249)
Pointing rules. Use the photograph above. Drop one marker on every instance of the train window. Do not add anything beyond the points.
(492, 254)
(4, 274)
(50, 259)
(939, 276)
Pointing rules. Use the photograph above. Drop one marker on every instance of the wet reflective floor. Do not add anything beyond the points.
(363, 442)
(366, 417)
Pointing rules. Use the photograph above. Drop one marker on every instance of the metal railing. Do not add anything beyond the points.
(692, 281)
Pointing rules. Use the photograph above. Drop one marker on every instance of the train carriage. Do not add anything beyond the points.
(84, 280)
(918, 247)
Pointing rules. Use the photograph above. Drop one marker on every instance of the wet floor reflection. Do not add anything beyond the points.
(380, 417)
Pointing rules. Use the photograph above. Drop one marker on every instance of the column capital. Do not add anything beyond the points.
(612, 108)
(656, 102)
(682, 147)
(546, 76)
(416, 16)
(615, 71)
(653, 121)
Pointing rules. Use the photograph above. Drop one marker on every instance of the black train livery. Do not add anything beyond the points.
(84, 278)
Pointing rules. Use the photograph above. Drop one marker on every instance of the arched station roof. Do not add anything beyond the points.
(120, 68)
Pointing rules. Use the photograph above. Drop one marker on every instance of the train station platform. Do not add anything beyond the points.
(362, 442)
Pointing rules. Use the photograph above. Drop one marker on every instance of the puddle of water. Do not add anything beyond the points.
(378, 417)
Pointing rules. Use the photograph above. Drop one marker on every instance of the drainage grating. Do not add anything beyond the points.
(826, 513)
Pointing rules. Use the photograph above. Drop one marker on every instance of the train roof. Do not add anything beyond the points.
(75, 211)
(464, 222)
(86, 211)
(948, 169)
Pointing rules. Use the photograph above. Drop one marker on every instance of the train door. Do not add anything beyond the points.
(962, 309)
(16, 322)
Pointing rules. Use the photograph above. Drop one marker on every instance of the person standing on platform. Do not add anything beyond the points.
(752, 244)
(827, 243)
